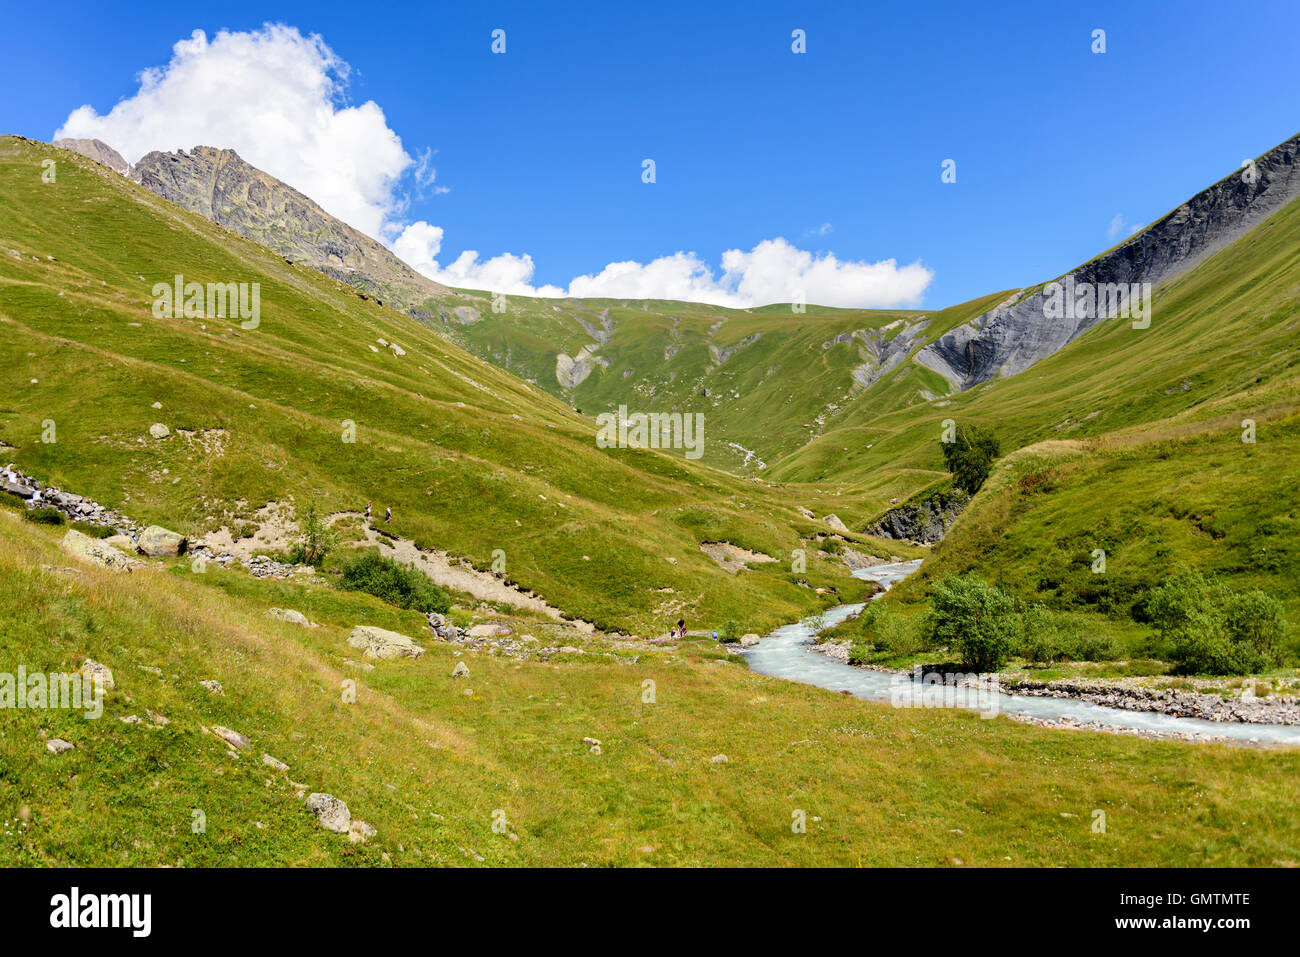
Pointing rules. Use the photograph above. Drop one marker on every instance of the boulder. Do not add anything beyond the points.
(461, 670)
(213, 686)
(58, 745)
(749, 641)
(156, 542)
(159, 431)
(382, 643)
(96, 552)
(718, 759)
(331, 813)
(490, 629)
(289, 615)
(271, 762)
(834, 522)
(101, 675)
(233, 738)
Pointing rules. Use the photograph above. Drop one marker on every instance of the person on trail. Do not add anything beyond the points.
(388, 513)
(715, 636)
(367, 511)
(681, 628)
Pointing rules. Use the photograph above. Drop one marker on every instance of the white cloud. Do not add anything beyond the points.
(276, 97)
(419, 244)
(773, 271)
(1117, 226)
(273, 96)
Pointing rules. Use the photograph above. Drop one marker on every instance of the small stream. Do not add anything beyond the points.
(788, 653)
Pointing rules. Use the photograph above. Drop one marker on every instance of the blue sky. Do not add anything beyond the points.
(539, 151)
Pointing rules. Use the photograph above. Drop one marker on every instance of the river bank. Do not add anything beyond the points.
(1129, 694)
(790, 652)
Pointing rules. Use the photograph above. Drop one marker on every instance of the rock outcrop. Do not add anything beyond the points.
(925, 521)
(218, 184)
(95, 551)
(381, 643)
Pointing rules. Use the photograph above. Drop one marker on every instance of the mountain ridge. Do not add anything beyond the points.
(220, 185)
(1012, 337)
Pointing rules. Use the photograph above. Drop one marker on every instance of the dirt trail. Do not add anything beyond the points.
(443, 570)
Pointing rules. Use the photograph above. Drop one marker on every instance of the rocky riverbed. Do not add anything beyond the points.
(1130, 694)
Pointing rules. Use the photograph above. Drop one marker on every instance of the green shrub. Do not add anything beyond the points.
(884, 630)
(1209, 629)
(1042, 639)
(1048, 636)
(396, 584)
(976, 620)
(45, 516)
(730, 631)
(970, 456)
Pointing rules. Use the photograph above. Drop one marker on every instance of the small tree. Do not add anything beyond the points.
(970, 456)
(975, 619)
(317, 539)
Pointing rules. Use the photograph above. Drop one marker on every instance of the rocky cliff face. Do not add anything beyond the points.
(1018, 333)
(219, 185)
(924, 522)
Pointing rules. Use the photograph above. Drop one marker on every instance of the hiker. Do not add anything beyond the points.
(388, 513)
(367, 512)
(681, 628)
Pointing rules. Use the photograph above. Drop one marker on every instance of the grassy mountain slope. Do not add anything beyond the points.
(766, 379)
(431, 767)
(1218, 331)
(470, 458)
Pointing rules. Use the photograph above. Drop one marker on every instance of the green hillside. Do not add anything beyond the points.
(470, 458)
(473, 459)
(434, 762)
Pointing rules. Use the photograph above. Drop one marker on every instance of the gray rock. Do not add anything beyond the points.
(159, 431)
(58, 746)
(233, 738)
(213, 686)
(96, 552)
(331, 813)
(289, 615)
(98, 673)
(461, 670)
(157, 542)
(834, 522)
(381, 643)
(271, 762)
(749, 640)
